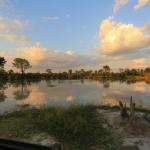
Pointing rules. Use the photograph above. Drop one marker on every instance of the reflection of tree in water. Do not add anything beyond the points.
(2, 91)
(147, 81)
(140, 105)
(70, 82)
(49, 83)
(131, 81)
(23, 92)
(82, 81)
(20, 83)
(2, 96)
(106, 84)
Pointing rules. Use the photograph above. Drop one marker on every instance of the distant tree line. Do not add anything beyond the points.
(104, 73)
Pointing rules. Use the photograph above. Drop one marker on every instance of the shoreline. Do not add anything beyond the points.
(111, 121)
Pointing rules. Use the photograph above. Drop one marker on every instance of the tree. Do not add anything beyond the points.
(2, 62)
(82, 73)
(70, 71)
(121, 70)
(10, 71)
(100, 71)
(147, 70)
(106, 68)
(21, 64)
(49, 71)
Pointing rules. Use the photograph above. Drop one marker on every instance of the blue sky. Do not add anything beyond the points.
(73, 26)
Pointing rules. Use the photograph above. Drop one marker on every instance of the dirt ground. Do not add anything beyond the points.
(135, 133)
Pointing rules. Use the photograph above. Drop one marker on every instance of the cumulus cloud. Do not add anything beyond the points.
(140, 4)
(105, 58)
(120, 38)
(11, 29)
(139, 63)
(42, 58)
(146, 27)
(34, 53)
(118, 4)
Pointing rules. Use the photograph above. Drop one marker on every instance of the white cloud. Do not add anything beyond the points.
(118, 4)
(11, 29)
(119, 38)
(42, 58)
(140, 4)
(51, 18)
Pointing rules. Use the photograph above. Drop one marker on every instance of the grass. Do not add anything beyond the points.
(77, 127)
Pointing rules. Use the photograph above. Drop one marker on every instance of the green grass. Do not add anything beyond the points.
(77, 127)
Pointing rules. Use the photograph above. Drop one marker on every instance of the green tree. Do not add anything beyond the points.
(82, 73)
(49, 71)
(70, 71)
(100, 71)
(70, 74)
(106, 68)
(2, 63)
(21, 64)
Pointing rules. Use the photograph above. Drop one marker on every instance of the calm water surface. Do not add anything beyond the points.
(63, 93)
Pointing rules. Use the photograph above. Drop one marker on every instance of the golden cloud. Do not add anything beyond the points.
(140, 4)
(117, 37)
(118, 4)
(139, 63)
(43, 58)
(34, 53)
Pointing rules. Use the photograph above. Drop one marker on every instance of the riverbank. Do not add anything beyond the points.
(135, 133)
(77, 127)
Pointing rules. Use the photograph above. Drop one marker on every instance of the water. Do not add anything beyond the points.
(64, 93)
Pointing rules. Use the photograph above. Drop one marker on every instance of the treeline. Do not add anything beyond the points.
(104, 73)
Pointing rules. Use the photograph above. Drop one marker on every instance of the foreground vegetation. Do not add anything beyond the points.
(77, 127)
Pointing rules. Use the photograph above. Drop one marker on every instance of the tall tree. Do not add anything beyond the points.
(21, 64)
(2, 63)
(106, 68)
(70, 74)
(100, 71)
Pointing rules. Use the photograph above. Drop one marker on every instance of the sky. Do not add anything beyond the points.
(76, 34)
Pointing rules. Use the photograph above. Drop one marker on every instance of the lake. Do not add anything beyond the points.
(64, 93)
